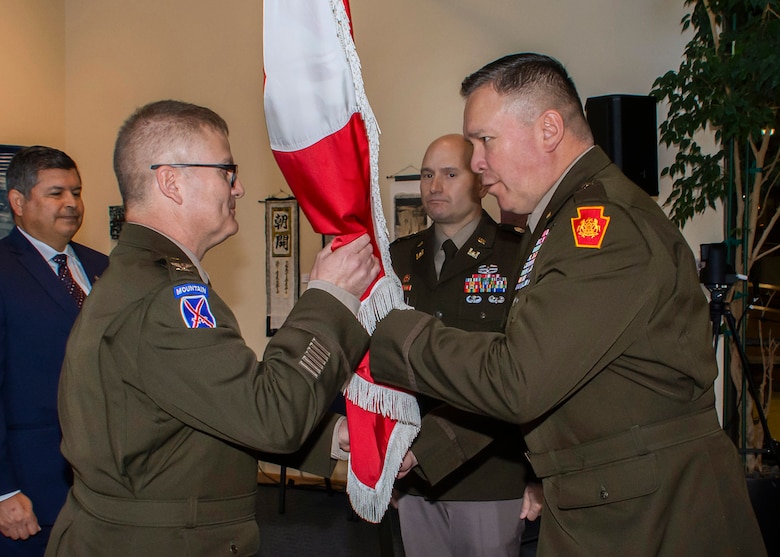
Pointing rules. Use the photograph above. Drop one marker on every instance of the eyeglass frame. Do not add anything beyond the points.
(232, 168)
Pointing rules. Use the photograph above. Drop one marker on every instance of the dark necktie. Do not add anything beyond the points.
(450, 249)
(63, 272)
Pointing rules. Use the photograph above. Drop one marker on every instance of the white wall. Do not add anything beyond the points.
(118, 55)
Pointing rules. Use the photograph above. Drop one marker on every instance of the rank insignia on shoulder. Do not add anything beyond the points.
(589, 227)
(194, 305)
(179, 265)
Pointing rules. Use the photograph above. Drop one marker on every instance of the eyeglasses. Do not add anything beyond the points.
(232, 169)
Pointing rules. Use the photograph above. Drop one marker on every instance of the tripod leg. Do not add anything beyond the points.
(768, 439)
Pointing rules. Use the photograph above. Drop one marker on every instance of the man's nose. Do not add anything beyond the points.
(238, 189)
(71, 200)
(478, 164)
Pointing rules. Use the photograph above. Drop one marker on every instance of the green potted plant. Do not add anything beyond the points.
(728, 88)
(728, 85)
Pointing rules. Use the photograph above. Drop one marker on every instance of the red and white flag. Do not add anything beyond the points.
(326, 141)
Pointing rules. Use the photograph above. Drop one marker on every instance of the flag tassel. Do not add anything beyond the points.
(370, 503)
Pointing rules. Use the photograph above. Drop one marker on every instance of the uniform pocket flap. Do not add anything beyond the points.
(610, 483)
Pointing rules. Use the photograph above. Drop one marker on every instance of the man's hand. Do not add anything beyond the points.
(409, 462)
(532, 501)
(343, 435)
(17, 519)
(352, 267)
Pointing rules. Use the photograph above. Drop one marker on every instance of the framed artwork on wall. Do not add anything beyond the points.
(408, 215)
(6, 216)
(116, 218)
(281, 260)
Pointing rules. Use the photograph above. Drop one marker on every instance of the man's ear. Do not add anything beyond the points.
(167, 184)
(552, 129)
(16, 200)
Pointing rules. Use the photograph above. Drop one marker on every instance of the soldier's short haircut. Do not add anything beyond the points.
(152, 131)
(539, 79)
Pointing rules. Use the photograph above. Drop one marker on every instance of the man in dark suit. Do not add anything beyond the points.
(466, 494)
(607, 347)
(37, 310)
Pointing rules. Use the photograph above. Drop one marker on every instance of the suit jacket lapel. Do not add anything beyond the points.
(89, 263)
(39, 269)
(477, 248)
(425, 249)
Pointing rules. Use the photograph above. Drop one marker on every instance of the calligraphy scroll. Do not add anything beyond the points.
(281, 260)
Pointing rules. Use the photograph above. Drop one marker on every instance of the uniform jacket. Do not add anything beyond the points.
(464, 456)
(36, 315)
(163, 406)
(601, 343)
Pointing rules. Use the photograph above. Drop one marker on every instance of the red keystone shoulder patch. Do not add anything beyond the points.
(589, 227)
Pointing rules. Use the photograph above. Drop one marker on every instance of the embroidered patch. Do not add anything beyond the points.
(589, 227)
(315, 358)
(194, 305)
(485, 282)
(523, 281)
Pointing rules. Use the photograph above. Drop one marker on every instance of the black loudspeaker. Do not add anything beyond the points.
(625, 127)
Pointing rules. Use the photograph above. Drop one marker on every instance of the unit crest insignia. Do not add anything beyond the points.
(589, 227)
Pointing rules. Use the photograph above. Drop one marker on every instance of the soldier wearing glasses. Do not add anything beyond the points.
(163, 406)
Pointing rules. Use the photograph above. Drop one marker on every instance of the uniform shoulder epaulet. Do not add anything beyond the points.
(513, 228)
(592, 190)
(406, 238)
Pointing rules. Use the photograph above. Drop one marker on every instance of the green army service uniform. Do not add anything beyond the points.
(608, 352)
(164, 407)
(464, 456)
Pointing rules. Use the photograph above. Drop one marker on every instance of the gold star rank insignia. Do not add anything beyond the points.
(589, 227)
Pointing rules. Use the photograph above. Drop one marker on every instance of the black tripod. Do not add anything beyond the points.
(720, 309)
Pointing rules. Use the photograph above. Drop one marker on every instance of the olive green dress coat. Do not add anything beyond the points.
(464, 456)
(163, 407)
(608, 353)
